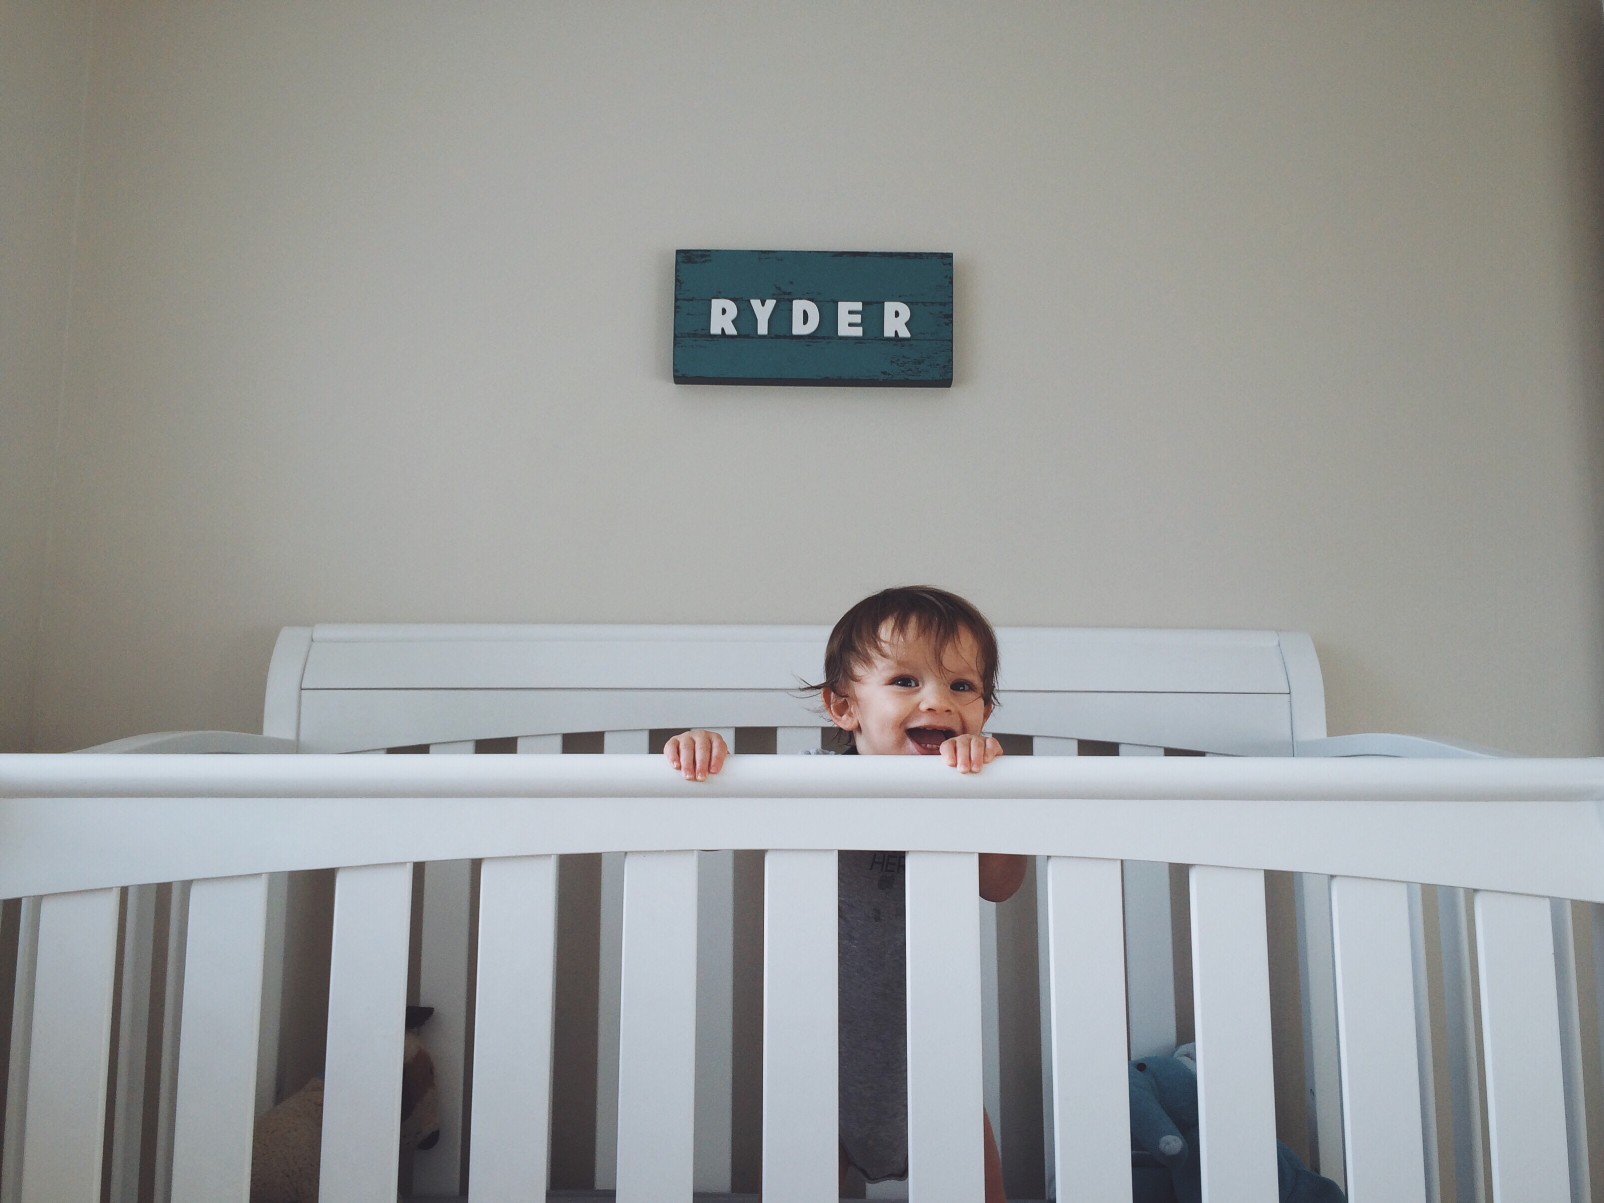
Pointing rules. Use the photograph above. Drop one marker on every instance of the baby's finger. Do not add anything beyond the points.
(710, 753)
(692, 752)
(704, 754)
(957, 753)
(671, 751)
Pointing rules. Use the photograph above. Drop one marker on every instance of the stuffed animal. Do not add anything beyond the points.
(1163, 1095)
(288, 1142)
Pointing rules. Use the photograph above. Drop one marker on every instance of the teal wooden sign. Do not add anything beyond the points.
(813, 317)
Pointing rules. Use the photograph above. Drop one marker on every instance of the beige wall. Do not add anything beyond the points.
(1267, 315)
(44, 56)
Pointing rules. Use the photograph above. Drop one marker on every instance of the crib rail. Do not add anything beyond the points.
(76, 821)
(74, 829)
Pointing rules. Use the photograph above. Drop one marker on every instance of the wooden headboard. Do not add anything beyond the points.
(344, 688)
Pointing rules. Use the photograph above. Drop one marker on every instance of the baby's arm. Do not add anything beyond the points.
(696, 753)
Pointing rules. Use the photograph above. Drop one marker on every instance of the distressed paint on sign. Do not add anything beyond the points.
(920, 281)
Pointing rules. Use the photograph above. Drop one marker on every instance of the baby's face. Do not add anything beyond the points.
(907, 700)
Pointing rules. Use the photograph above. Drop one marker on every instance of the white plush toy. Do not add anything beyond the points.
(288, 1143)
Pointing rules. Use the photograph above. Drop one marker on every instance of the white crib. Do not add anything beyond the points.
(617, 1023)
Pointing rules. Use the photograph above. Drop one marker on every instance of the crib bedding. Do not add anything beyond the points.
(1310, 864)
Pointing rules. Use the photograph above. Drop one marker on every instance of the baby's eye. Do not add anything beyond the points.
(964, 686)
(904, 681)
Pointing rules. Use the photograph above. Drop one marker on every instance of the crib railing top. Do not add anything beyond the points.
(73, 822)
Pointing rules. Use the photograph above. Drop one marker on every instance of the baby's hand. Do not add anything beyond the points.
(970, 753)
(696, 753)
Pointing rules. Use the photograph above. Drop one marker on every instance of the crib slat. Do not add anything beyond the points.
(1520, 1036)
(715, 1012)
(133, 1027)
(799, 1027)
(513, 1027)
(633, 742)
(990, 1018)
(267, 1040)
(1054, 745)
(73, 977)
(1236, 1082)
(1590, 987)
(172, 1003)
(1422, 914)
(21, 1040)
(1462, 1047)
(443, 985)
(1588, 943)
(367, 1028)
(217, 1059)
(1573, 1050)
(715, 1006)
(1149, 947)
(609, 945)
(1150, 958)
(1018, 1123)
(657, 1029)
(1376, 1019)
(945, 1079)
(1322, 1061)
(1048, 745)
(1086, 944)
(792, 741)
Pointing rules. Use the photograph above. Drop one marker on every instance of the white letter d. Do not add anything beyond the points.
(804, 317)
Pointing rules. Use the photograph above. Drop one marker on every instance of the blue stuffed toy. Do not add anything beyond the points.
(1163, 1094)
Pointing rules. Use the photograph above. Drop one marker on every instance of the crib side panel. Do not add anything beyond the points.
(1525, 939)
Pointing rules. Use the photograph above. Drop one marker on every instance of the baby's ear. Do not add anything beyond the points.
(840, 709)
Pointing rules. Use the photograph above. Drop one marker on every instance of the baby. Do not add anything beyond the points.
(907, 672)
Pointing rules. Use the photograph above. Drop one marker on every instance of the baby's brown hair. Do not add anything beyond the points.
(934, 612)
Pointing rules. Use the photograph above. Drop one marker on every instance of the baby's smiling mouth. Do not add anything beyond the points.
(928, 740)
